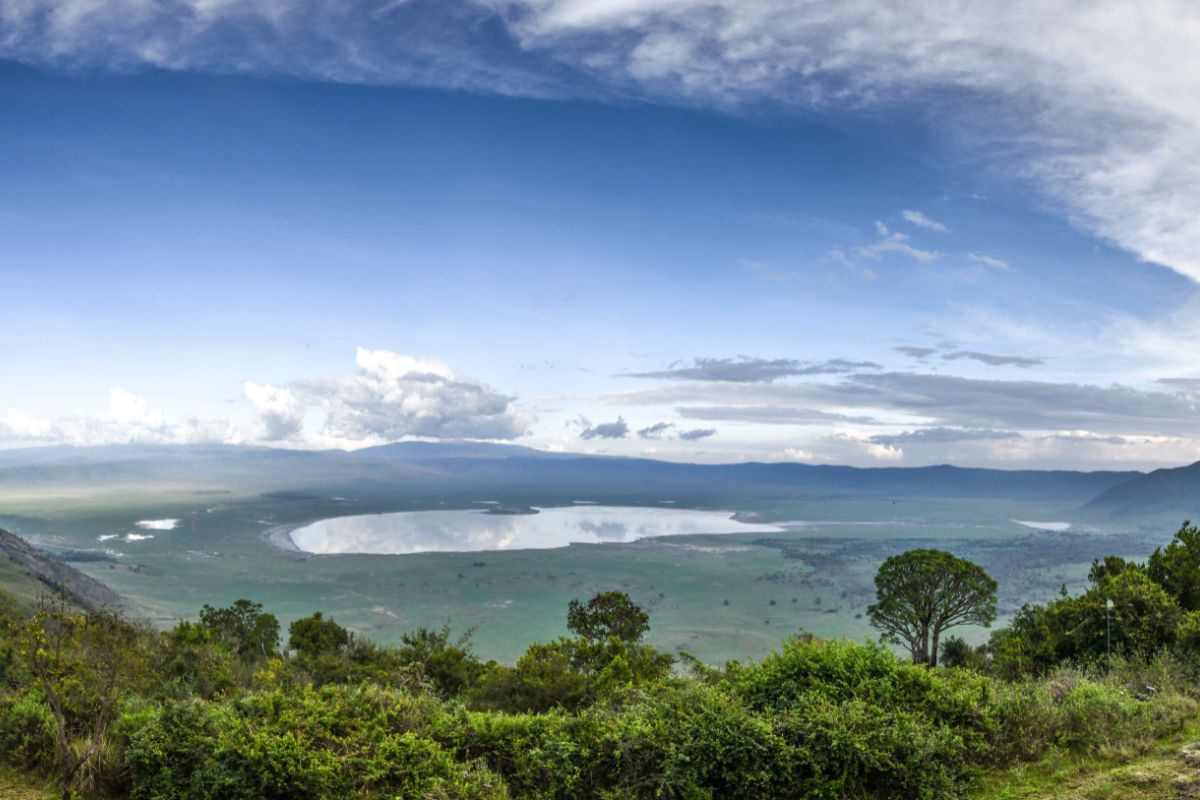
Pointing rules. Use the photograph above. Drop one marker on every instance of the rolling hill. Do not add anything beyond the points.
(1173, 491)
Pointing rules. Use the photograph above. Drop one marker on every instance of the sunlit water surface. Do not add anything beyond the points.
(458, 531)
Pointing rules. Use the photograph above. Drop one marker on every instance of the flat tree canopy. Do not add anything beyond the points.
(921, 593)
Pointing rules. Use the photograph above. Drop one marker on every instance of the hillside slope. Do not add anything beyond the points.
(27, 574)
(1164, 491)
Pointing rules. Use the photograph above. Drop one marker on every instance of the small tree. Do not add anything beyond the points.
(244, 628)
(451, 665)
(315, 635)
(82, 664)
(608, 614)
(922, 593)
(1177, 567)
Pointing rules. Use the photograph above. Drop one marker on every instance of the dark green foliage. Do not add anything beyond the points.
(1144, 619)
(27, 730)
(296, 745)
(1177, 567)
(921, 593)
(450, 666)
(192, 660)
(252, 634)
(1109, 567)
(315, 636)
(82, 665)
(11, 624)
(608, 615)
(569, 674)
(958, 651)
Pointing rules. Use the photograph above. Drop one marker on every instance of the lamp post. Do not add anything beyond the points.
(1108, 607)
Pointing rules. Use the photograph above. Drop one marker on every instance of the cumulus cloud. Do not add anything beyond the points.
(696, 434)
(851, 442)
(745, 369)
(279, 412)
(798, 454)
(617, 429)
(922, 221)
(1092, 104)
(391, 396)
(388, 397)
(130, 420)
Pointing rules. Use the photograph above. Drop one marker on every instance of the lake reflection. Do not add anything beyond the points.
(457, 531)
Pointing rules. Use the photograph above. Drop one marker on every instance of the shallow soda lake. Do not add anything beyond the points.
(468, 530)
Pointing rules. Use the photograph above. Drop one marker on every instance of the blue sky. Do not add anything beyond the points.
(852, 233)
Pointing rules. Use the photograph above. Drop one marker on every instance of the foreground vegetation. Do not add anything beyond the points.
(216, 709)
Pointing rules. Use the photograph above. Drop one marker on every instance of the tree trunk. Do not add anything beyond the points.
(921, 656)
(933, 657)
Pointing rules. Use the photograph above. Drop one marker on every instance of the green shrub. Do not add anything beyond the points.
(26, 730)
(332, 743)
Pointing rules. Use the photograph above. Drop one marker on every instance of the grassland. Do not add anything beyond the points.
(15, 785)
(1167, 769)
(723, 597)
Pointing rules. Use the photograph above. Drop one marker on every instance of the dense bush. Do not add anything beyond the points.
(335, 742)
(598, 716)
(26, 730)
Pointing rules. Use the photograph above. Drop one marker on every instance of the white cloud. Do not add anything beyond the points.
(130, 420)
(392, 396)
(127, 408)
(1094, 104)
(895, 242)
(388, 397)
(989, 261)
(922, 221)
(797, 454)
(279, 412)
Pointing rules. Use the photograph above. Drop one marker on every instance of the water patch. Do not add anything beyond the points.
(463, 531)
(1057, 527)
(158, 524)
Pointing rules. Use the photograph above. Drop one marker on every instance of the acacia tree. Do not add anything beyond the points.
(921, 593)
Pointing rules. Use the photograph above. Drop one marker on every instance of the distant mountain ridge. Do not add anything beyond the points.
(477, 467)
(1164, 491)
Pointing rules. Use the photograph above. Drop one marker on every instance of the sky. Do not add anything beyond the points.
(880, 234)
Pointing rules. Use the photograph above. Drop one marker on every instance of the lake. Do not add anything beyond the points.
(471, 530)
